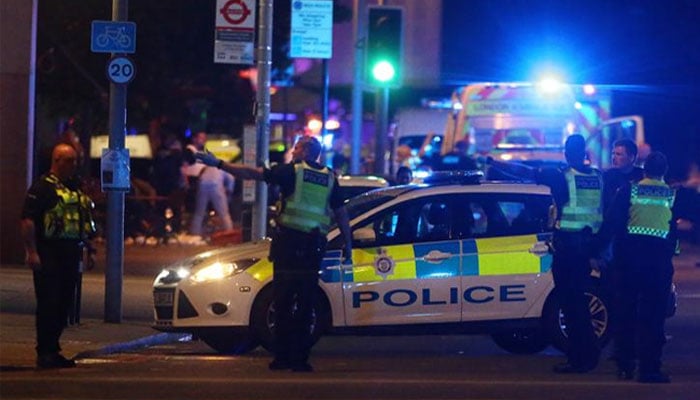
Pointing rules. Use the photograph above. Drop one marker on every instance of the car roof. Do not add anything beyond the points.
(422, 189)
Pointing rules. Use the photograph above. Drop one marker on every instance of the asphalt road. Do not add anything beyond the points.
(391, 367)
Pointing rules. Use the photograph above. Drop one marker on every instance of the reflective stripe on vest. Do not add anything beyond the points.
(585, 199)
(307, 208)
(71, 217)
(650, 208)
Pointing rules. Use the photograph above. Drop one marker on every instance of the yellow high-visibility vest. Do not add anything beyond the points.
(71, 217)
(307, 208)
(650, 208)
(584, 207)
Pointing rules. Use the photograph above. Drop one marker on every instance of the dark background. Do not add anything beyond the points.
(648, 51)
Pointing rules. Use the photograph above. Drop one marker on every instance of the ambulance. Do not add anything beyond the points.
(529, 122)
(454, 255)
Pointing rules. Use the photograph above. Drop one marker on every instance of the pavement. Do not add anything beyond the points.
(93, 337)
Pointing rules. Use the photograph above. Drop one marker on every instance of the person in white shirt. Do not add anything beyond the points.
(213, 186)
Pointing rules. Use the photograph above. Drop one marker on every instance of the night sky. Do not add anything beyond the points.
(647, 50)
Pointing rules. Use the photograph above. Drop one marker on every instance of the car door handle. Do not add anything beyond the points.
(436, 256)
(539, 249)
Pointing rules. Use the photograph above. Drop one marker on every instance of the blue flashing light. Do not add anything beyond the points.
(589, 90)
(549, 85)
(328, 140)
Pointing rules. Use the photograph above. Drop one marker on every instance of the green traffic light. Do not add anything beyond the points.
(383, 71)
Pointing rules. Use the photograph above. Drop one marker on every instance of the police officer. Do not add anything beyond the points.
(308, 190)
(641, 221)
(577, 192)
(56, 225)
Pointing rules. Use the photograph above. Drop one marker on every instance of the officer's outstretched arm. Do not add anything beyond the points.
(237, 170)
(341, 217)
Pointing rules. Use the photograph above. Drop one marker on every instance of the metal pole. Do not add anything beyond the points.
(114, 273)
(262, 117)
(382, 126)
(359, 35)
(324, 105)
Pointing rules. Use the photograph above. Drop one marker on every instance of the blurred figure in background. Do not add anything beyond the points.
(404, 176)
(212, 186)
(623, 171)
(169, 182)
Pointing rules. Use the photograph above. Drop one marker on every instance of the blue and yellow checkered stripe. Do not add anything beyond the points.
(478, 257)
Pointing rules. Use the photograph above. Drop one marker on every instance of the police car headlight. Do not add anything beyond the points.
(168, 276)
(221, 270)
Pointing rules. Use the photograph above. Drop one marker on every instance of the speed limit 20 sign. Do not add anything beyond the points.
(120, 69)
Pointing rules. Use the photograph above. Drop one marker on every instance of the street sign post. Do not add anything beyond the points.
(113, 37)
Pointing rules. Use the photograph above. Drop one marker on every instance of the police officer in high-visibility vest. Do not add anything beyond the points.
(309, 193)
(56, 227)
(577, 192)
(642, 224)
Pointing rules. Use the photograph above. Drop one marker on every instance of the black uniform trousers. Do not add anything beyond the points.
(571, 270)
(54, 288)
(643, 286)
(296, 259)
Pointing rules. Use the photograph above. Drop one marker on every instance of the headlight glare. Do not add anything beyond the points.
(214, 271)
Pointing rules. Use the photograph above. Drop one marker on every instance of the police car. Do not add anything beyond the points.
(452, 255)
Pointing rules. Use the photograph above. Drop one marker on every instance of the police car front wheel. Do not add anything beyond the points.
(555, 321)
(262, 318)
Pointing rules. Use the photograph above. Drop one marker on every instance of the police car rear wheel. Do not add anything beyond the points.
(555, 320)
(226, 341)
(521, 341)
(262, 318)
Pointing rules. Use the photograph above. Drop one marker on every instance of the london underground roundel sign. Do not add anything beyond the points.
(235, 12)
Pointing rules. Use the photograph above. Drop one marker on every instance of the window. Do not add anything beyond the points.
(421, 220)
(493, 215)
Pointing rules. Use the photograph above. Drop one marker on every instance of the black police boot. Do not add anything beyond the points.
(53, 361)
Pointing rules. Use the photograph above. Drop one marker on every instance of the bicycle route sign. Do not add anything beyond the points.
(113, 37)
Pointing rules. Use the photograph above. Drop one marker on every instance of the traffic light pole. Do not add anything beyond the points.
(381, 112)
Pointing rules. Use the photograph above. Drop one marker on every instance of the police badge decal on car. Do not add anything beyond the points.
(383, 263)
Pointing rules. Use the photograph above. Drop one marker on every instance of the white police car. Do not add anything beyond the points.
(456, 256)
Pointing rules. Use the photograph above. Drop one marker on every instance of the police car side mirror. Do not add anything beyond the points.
(364, 235)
